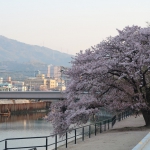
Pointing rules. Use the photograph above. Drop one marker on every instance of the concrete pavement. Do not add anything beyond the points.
(125, 135)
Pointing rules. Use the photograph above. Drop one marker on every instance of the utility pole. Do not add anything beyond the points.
(61, 79)
(61, 70)
(30, 85)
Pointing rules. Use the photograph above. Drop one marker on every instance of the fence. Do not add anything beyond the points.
(24, 106)
(95, 128)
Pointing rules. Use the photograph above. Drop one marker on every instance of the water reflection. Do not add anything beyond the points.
(24, 125)
(23, 116)
(30, 121)
(27, 125)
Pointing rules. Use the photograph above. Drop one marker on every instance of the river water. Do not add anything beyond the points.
(26, 125)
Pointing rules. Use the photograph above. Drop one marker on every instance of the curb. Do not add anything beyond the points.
(142, 143)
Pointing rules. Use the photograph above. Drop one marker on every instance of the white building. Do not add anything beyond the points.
(54, 71)
(18, 86)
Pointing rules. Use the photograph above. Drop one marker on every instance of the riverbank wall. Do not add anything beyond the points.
(24, 107)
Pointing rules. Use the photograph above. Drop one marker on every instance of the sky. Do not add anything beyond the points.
(69, 25)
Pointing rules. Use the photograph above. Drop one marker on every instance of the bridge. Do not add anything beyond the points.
(49, 95)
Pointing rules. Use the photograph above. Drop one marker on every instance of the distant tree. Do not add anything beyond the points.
(113, 74)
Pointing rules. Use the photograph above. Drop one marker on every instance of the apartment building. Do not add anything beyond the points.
(51, 84)
(40, 83)
(5, 87)
(19, 86)
(54, 71)
(50, 71)
(60, 85)
(57, 72)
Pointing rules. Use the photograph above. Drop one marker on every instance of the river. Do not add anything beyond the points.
(26, 125)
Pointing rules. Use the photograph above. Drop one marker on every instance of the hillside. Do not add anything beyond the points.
(12, 50)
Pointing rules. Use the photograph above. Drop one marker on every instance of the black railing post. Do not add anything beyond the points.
(66, 139)
(75, 134)
(82, 133)
(124, 114)
(89, 131)
(130, 113)
(118, 117)
(56, 142)
(100, 127)
(103, 127)
(46, 143)
(5, 144)
(95, 129)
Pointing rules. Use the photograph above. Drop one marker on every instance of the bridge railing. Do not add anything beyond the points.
(80, 132)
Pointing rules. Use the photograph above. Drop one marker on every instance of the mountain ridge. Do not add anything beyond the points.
(13, 50)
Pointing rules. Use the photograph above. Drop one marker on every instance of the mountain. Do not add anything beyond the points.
(12, 50)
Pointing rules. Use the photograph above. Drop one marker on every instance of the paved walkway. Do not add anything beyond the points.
(124, 136)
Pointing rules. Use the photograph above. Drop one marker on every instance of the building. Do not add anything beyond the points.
(37, 72)
(40, 83)
(11, 85)
(1, 80)
(51, 84)
(19, 86)
(54, 71)
(9, 80)
(5, 87)
(60, 85)
(35, 83)
(57, 72)
(50, 71)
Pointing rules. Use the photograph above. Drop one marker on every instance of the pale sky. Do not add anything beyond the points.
(69, 25)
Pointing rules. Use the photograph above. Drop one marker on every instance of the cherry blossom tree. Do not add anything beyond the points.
(113, 74)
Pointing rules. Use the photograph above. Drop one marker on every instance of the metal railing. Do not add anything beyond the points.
(95, 128)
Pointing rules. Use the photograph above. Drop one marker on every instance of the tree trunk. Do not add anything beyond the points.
(146, 115)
